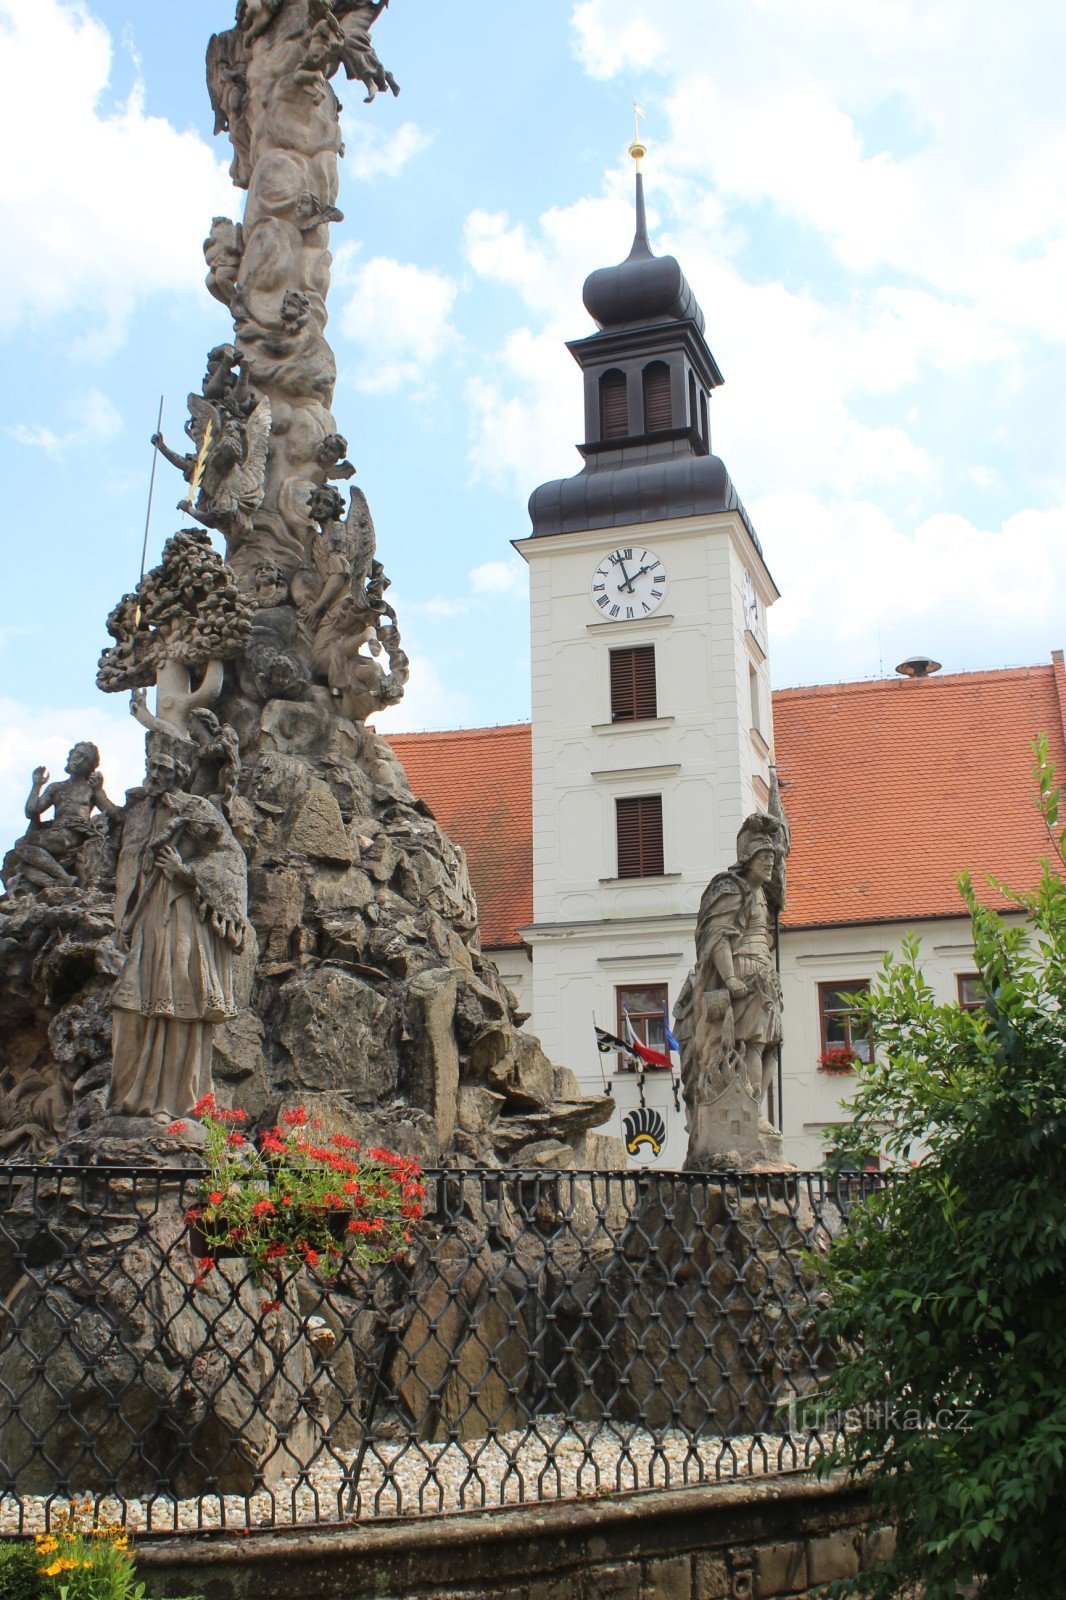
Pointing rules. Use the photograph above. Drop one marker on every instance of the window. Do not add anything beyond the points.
(753, 693)
(693, 404)
(658, 412)
(633, 684)
(614, 405)
(973, 996)
(639, 825)
(645, 1004)
(836, 1018)
(703, 420)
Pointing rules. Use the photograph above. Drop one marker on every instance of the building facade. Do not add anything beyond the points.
(592, 832)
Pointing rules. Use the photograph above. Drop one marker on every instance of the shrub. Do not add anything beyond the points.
(18, 1571)
(948, 1295)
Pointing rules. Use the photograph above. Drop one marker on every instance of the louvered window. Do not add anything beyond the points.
(658, 414)
(633, 684)
(614, 406)
(640, 836)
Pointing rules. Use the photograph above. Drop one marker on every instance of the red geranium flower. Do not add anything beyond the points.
(295, 1117)
(177, 1127)
(216, 1197)
(205, 1106)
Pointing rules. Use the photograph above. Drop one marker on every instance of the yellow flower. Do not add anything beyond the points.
(46, 1544)
(53, 1571)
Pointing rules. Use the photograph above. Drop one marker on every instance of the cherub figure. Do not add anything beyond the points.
(47, 853)
(255, 17)
(331, 454)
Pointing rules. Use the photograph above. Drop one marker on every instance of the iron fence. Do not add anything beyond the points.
(546, 1335)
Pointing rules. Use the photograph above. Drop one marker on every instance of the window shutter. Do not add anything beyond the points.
(658, 413)
(640, 836)
(614, 406)
(633, 693)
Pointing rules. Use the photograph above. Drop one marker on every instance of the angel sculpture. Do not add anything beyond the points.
(342, 554)
(340, 600)
(229, 467)
(358, 56)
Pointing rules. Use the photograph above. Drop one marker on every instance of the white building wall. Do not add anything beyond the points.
(593, 932)
(813, 1101)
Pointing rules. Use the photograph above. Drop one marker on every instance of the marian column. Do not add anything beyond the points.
(266, 445)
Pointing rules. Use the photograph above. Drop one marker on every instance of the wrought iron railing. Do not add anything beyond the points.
(547, 1335)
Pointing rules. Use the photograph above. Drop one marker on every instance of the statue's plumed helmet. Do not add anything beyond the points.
(757, 833)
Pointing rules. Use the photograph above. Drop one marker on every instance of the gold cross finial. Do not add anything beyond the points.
(638, 150)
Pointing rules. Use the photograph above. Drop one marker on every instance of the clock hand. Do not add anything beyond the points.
(628, 584)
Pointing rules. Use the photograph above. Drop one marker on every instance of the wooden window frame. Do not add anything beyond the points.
(646, 810)
(639, 1019)
(632, 681)
(970, 1005)
(848, 986)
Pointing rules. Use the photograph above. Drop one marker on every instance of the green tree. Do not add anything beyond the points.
(948, 1294)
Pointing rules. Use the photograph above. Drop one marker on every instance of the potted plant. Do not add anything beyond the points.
(838, 1060)
(293, 1196)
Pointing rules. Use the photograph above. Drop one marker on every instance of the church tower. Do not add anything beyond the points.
(651, 691)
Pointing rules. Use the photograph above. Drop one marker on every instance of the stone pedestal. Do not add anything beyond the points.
(730, 1135)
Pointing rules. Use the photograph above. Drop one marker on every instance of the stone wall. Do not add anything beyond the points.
(738, 1541)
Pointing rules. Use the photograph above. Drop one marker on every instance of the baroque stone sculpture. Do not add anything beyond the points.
(183, 922)
(728, 1015)
(359, 985)
(186, 615)
(53, 854)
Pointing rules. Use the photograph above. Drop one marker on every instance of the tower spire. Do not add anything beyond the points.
(638, 150)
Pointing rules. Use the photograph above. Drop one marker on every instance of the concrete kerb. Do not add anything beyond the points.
(439, 1555)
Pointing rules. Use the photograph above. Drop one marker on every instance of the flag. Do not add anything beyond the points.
(652, 1058)
(606, 1042)
(643, 1052)
(671, 1042)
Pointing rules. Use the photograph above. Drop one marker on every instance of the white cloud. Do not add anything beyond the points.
(98, 421)
(427, 703)
(31, 737)
(500, 577)
(400, 314)
(861, 592)
(99, 206)
(374, 153)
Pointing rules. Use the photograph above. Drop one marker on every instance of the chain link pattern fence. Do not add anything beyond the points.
(546, 1335)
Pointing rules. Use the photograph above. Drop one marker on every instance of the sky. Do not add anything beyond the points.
(868, 197)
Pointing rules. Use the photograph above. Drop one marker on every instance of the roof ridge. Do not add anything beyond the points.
(868, 685)
(452, 733)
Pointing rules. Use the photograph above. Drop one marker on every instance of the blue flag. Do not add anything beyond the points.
(671, 1042)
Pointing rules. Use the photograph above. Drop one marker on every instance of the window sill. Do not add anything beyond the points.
(656, 620)
(759, 742)
(634, 725)
(661, 877)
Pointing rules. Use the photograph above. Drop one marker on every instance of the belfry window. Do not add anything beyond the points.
(658, 412)
(614, 405)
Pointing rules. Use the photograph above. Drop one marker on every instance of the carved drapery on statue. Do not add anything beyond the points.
(183, 920)
(728, 1015)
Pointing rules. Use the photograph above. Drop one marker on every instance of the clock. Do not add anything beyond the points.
(628, 584)
(752, 609)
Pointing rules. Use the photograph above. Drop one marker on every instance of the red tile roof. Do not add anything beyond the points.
(893, 787)
(478, 782)
(896, 786)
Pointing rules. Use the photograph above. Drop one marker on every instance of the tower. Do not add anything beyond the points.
(651, 727)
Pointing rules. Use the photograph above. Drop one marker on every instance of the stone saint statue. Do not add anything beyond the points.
(728, 1015)
(47, 855)
(184, 919)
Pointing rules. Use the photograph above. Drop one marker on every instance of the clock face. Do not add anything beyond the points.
(628, 584)
(752, 609)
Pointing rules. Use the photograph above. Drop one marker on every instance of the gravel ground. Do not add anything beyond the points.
(554, 1462)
